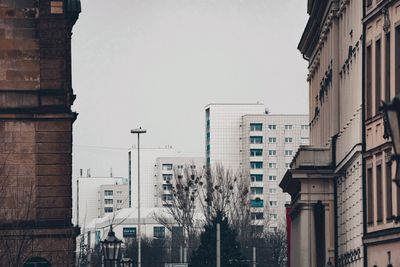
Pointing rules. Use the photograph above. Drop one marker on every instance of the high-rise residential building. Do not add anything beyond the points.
(269, 143)
(326, 178)
(223, 133)
(36, 120)
(91, 199)
(166, 170)
(112, 198)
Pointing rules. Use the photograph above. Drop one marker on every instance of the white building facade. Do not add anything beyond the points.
(269, 143)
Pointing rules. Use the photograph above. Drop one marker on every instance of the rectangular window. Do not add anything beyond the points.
(272, 178)
(167, 177)
(272, 127)
(287, 165)
(397, 61)
(288, 127)
(108, 209)
(304, 140)
(159, 232)
(108, 201)
(272, 140)
(256, 139)
(129, 232)
(256, 152)
(272, 165)
(272, 152)
(166, 197)
(304, 127)
(257, 203)
(379, 194)
(108, 192)
(256, 165)
(378, 75)
(272, 190)
(256, 190)
(167, 186)
(274, 216)
(370, 197)
(288, 139)
(389, 205)
(167, 167)
(273, 203)
(257, 216)
(288, 152)
(256, 177)
(257, 127)
(387, 68)
(369, 81)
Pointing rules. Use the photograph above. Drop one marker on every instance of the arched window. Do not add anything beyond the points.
(37, 262)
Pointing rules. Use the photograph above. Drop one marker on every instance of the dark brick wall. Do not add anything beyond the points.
(36, 131)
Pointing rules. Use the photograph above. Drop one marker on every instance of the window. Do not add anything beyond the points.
(108, 209)
(257, 127)
(304, 140)
(167, 167)
(368, 81)
(166, 197)
(288, 152)
(257, 215)
(272, 190)
(108, 192)
(256, 152)
(167, 186)
(273, 203)
(370, 197)
(287, 165)
(397, 61)
(272, 165)
(167, 177)
(272, 178)
(288, 127)
(288, 139)
(272, 127)
(256, 190)
(193, 167)
(56, 7)
(256, 139)
(159, 232)
(108, 201)
(273, 228)
(272, 152)
(304, 127)
(256, 177)
(378, 75)
(129, 232)
(387, 68)
(272, 140)
(274, 216)
(257, 203)
(389, 205)
(119, 201)
(256, 165)
(379, 193)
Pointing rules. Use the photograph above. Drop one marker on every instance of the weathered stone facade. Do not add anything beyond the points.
(36, 131)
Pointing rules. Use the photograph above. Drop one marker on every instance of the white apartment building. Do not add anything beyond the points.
(269, 143)
(112, 198)
(87, 204)
(166, 169)
(223, 133)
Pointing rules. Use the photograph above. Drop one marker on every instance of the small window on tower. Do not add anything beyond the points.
(56, 7)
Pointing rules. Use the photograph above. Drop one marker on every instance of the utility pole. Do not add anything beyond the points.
(218, 245)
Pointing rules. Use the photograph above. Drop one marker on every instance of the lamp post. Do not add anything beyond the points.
(139, 131)
(126, 262)
(392, 129)
(110, 248)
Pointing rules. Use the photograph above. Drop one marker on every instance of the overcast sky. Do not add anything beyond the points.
(157, 63)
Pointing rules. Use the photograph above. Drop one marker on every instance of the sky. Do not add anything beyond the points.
(158, 63)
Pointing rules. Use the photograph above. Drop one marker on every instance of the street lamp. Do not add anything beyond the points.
(126, 262)
(392, 129)
(110, 247)
(139, 131)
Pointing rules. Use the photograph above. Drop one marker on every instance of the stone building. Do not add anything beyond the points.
(36, 132)
(325, 179)
(382, 83)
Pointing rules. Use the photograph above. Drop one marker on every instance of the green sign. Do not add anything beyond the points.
(129, 232)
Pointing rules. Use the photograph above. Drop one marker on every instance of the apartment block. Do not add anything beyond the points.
(112, 198)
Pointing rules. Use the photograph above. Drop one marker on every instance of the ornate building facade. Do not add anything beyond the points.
(36, 132)
(325, 179)
(381, 83)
